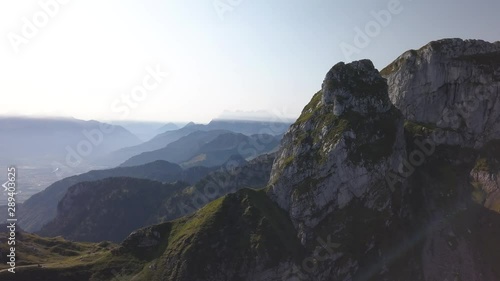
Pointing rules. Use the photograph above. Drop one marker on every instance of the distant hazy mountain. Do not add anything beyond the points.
(162, 140)
(177, 151)
(117, 157)
(71, 142)
(230, 145)
(146, 130)
(212, 148)
(167, 128)
(111, 208)
(42, 207)
(258, 115)
(250, 127)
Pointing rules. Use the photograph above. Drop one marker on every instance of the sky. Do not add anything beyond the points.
(195, 60)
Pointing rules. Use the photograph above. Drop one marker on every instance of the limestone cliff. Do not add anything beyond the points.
(340, 148)
(452, 84)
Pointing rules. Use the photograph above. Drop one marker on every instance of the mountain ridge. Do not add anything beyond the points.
(41, 207)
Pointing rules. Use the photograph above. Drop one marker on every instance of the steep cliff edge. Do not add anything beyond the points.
(448, 92)
(454, 85)
(340, 149)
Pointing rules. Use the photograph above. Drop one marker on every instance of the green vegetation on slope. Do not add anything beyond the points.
(374, 135)
(230, 232)
(62, 260)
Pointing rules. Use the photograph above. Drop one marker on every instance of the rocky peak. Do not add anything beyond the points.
(457, 48)
(339, 149)
(452, 85)
(356, 87)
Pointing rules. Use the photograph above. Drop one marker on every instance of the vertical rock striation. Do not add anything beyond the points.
(452, 84)
(340, 148)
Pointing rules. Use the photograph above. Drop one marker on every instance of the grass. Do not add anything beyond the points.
(32, 249)
(309, 109)
(288, 161)
(240, 226)
(65, 260)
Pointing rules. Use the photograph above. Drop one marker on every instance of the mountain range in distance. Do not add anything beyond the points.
(249, 128)
(50, 149)
(37, 141)
(209, 148)
(146, 130)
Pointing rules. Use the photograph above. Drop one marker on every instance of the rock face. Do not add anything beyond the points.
(356, 87)
(448, 92)
(340, 148)
(452, 84)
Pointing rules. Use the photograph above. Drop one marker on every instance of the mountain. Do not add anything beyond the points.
(347, 138)
(119, 156)
(167, 128)
(210, 148)
(71, 142)
(41, 207)
(365, 186)
(228, 146)
(95, 211)
(178, 151)
(275, 128)
(162, 140)
(226, 240)
(108, 209)
(146, 130)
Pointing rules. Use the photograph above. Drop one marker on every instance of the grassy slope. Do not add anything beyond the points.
(61, 259)
(242, 227)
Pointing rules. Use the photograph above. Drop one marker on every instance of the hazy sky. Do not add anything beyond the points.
(90, 59)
